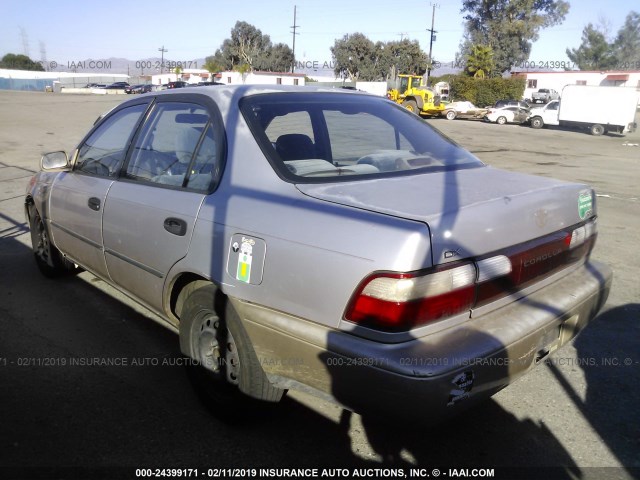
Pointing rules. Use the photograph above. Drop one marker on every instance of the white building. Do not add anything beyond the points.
(558, 80)
(261, 78)
(231, 78)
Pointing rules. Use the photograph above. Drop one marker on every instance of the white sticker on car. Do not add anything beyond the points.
(243, 272)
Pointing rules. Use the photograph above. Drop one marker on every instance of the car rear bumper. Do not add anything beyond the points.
(429, 378)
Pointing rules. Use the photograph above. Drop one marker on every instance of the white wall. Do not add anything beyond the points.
(260, 78)
(376, 88)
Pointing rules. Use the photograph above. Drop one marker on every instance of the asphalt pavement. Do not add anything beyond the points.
(67, 412)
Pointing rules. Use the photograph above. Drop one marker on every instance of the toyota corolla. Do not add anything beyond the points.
(322, 240)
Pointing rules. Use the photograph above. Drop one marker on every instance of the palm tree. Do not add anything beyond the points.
(480, 61)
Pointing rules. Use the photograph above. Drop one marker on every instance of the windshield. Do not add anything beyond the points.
(318, 137)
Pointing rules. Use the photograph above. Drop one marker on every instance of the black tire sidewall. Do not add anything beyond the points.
(252, 379)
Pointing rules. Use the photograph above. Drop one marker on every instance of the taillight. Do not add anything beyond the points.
(393, 302)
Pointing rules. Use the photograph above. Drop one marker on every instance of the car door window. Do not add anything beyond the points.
(176, 148)
(104, 151)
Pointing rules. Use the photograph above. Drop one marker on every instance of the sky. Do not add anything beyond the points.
(189, 29)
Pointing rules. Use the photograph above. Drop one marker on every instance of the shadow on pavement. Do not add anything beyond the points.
(140, 410)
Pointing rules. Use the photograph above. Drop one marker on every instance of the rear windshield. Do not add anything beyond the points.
(312, 137)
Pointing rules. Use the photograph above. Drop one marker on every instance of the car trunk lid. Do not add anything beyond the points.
(470, 212)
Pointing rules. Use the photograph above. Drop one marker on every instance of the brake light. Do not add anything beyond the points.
(394, 302)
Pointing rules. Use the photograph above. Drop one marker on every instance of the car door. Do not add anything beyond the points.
(150, 213)
(77, 197)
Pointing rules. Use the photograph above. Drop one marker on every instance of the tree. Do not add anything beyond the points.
(211, 66)
(627, 43)
(404, 56)
(249, 46)
(480, 61)
(509, 27)
(353, 53)
(358, 58)
(280, 58)
(594, 53)
(20, 62)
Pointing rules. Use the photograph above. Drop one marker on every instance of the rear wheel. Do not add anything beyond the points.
(50, 261)
(226, 373)
(501, 120)
(410, 105)
(597, 129)
(451, 115)
(536, 122)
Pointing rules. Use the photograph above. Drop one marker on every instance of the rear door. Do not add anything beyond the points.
(78, 197)
(150, 213)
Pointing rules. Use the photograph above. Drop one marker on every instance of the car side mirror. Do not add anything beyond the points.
(54, 161)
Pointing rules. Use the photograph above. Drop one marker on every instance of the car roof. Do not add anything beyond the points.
(220, 92)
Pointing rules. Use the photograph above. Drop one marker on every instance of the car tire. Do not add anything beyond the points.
(225, 370)
(501, 120)
(411, 105)
(537, 122)
(51, 263)
(450, 115)
(596, 129)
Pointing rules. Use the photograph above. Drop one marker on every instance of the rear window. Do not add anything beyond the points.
(320, 137)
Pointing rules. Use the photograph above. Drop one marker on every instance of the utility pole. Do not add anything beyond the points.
(163, 51)
(295, 27)
(432, 39)
(402, 35)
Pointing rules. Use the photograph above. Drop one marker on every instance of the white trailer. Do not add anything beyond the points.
(597, 109)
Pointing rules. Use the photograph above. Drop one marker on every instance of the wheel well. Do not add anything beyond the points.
(181, 288)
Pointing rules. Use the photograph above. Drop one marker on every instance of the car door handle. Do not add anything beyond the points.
(94, 204)
(176, 226)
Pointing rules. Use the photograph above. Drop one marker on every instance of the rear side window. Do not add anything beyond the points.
(104, 151)
(317, 137)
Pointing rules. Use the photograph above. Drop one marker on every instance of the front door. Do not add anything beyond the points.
(78, 197)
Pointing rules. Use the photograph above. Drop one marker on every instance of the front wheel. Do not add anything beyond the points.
(501, 120)
(450, 115)
(50, 261)
(225, 365)
(411, 105)
(597, 129)
(536, 122)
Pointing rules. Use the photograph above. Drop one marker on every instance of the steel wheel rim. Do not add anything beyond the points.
(219, 359)
(43, 247)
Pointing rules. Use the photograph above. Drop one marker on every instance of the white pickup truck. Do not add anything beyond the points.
(544, 95)
(598, 109)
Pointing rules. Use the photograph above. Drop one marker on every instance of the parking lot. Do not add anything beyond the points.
(576, 412)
